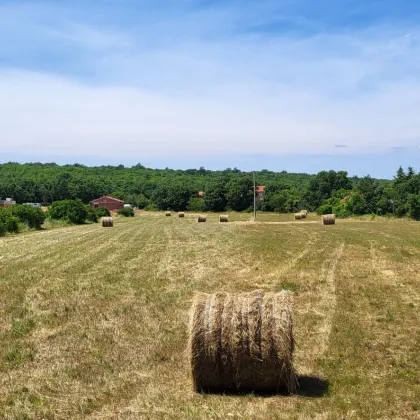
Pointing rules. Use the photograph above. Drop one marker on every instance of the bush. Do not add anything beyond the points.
(12, 217)
(91, 215)
(72, 211)
(127, 212)
(33, 217)
(196, 204)
(324, 209)
(3, 228)
(102, 212)
(150, 207)
(12, 224)
(8, 222)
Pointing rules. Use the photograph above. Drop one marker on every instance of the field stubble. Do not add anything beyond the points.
(94, 321)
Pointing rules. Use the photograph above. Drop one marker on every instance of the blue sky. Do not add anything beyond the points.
(293, 85)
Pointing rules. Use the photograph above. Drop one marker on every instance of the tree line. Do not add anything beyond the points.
(231, 189)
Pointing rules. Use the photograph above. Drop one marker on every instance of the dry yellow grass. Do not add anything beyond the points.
(94, 321)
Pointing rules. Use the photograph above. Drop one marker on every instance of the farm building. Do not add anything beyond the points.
(6, 203)
(33, 204)
(107, 202)
(260, 191)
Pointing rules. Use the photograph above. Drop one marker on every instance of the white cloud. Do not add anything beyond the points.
(166, 88)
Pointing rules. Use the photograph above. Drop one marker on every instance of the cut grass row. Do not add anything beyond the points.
(94, 321)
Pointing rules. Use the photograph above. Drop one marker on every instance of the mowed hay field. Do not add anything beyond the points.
(94, 321)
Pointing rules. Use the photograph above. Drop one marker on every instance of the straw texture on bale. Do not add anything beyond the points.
(202, 219)
(168, 213)
(242, 342)
(107, 222)
(305, 212)
(328, 219)
(181, 214)
(298, 216)
(223, 219)
(303, 215)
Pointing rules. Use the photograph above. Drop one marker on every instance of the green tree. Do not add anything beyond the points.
(357, 204)
(171, 197)
(215, 197)
(196, 204)
(324, 184)
(414, 206)
(239, 193)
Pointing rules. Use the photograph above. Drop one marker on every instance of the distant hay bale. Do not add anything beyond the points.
(242, 342)
(202, 219)
(298, 216)
(304, 213)
(181, 214)
(223, 219)
(168, 213)
(328, 219)
(107, 222)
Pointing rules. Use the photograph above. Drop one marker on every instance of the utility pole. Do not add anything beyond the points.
(255, 200)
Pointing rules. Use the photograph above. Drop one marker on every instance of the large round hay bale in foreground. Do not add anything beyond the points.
(242, 342)
(223, 219)
(202, 219)
(298, 216)
(168, 213)
(107, 222)
(181, 214)
(328, 219)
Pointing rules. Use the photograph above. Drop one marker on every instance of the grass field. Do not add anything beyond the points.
(93, 321)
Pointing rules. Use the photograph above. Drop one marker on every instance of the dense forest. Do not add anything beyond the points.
(231, 189)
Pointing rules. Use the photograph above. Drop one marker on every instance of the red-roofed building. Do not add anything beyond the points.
(110, 203)
(260, 191)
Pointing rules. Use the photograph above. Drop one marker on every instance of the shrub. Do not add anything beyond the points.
(102, 212)
(3, 228)
(151, 207)
(33, 217)
(73, 211)
(127, 212)
(12, 224)
(91, 215)
(324, 209)
(196, 204)
(8, 222)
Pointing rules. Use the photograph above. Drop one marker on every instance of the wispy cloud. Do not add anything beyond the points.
(228, 78)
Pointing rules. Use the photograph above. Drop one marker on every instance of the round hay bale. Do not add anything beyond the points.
(328, 219)
(168, 213)
(223, 219)
(298, 216)
(107, 222)
(181, 214)
(242, 342)
(303, 214)
(202, 219)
